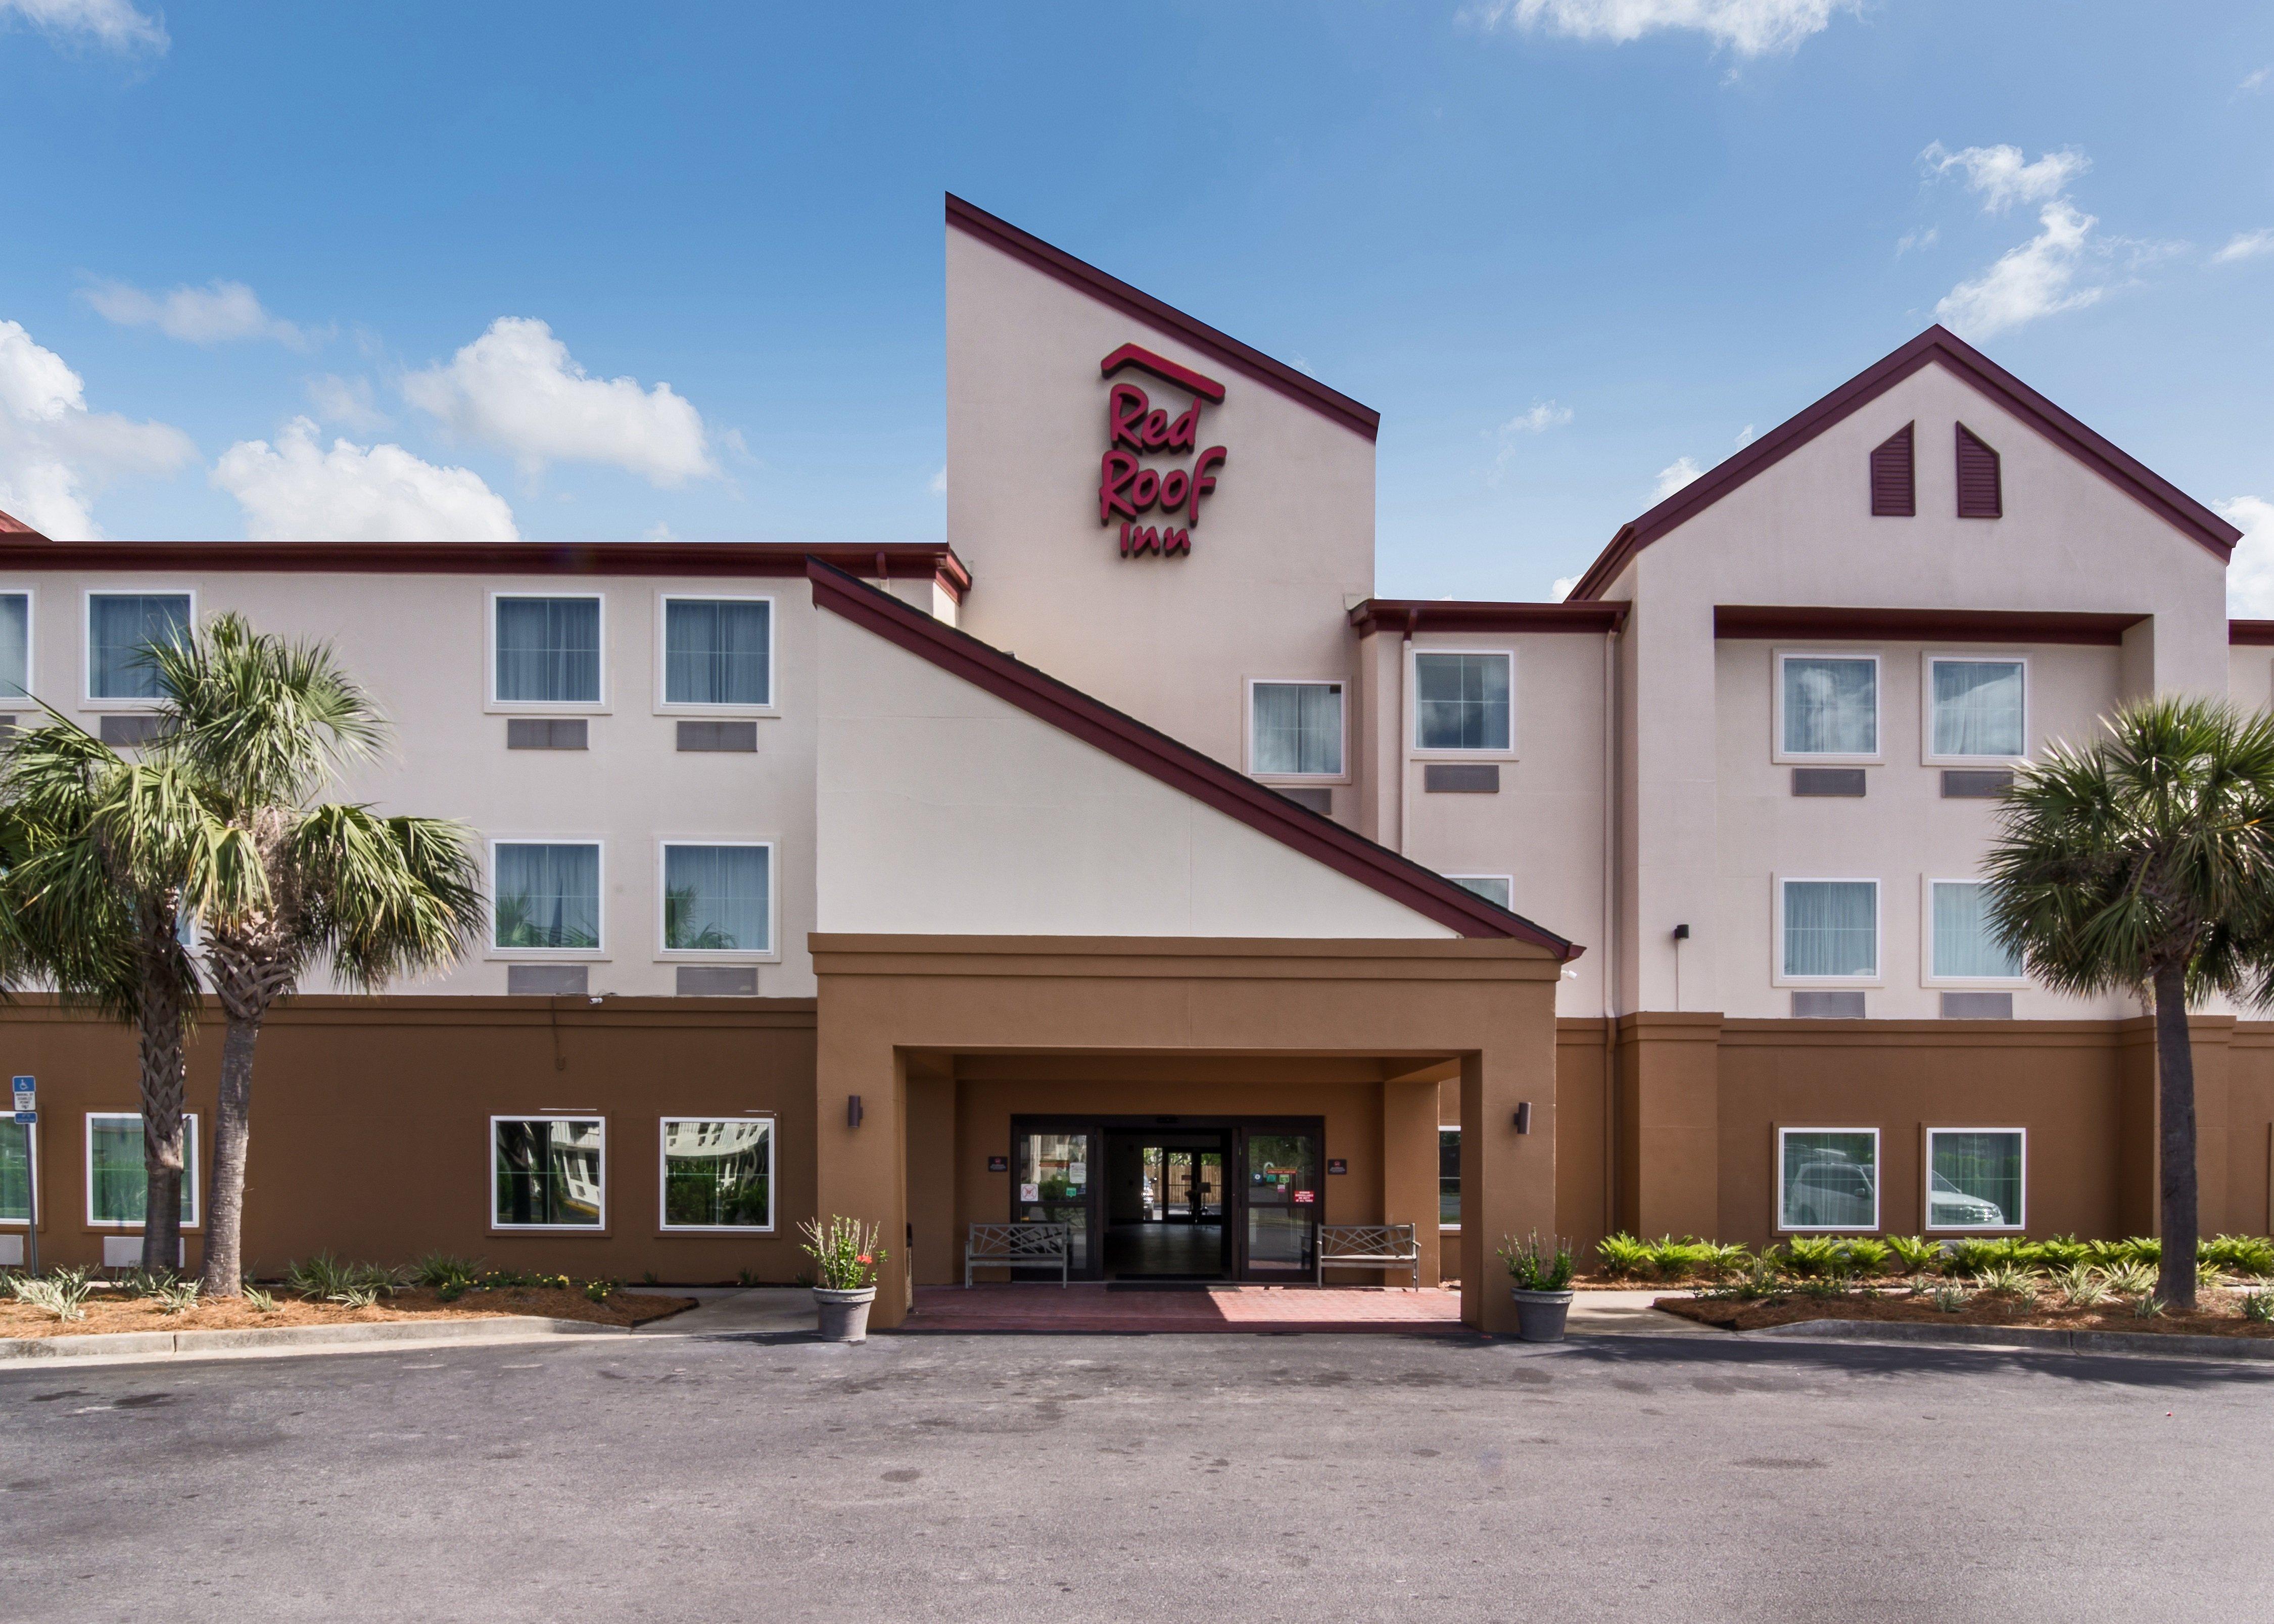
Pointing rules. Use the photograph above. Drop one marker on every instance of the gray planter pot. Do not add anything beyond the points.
(844, 1314)
(1539, 1315)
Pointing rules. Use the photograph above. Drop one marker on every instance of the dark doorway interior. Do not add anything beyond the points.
(1164, 1201)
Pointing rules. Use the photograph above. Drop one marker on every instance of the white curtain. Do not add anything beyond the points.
(1298, 727)
(1977, 708)
(121, 628)
(716, 898)
(716, 653)
(548, 650)
(1461, 702)
(548, 896)
(1831, 928)
(1963, 944)
(1831, 707)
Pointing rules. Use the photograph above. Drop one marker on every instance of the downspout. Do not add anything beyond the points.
(1404, 659)
(1609, 971)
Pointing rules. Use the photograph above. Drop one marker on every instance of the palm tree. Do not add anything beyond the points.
(2143, 861)
(261, 725)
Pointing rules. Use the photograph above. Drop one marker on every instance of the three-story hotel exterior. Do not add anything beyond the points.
(1125, 863)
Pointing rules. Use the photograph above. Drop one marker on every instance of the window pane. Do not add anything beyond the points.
(548, 1171)
(1963, 944)
(1298, 727)
(1283, 1201)
(1831, 928)
(1831, 1181)
(548, 650)
(716, 898)
(121, 627)
(15, 1172)
(1052, 1170)
(1977, 708)
(547, 896)
(717, 1175)
(1491, 887)
(716, 653)
(1831, 707)
(15, 645)
(1461, 702)
(1974, 1181)
(118, 1186)
(1448, 1176)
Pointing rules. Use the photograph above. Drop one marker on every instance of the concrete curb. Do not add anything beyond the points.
(495, 1327)
(2134, 1344)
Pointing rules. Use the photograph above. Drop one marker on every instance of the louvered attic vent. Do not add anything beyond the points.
(1893, 492)
(1980, 496)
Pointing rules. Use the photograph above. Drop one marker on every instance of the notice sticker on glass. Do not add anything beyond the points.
(1030, 1192)
(1302, 1196)
(1078, 1172)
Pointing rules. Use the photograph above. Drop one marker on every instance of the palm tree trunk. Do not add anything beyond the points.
(2175, 1075)
(158, 1038)
(224, 1267)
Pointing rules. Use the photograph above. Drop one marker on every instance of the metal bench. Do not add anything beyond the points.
(1003, 1245)
(1368, 1245)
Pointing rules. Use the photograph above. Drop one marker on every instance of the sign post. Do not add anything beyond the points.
(27, 1118)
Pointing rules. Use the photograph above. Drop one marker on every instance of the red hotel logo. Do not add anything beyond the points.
(1135, 429)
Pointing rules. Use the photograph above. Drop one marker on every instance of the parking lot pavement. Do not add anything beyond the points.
(1162, 1478)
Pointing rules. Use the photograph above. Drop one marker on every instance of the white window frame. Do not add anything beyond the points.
(87, 698)
(1827, 758)
(1926, 1184)
(773, 1184)
(1508, 880)
(521, 955)
(1415, 748)
(192, 1171)
(1878, 976)
(1928, 660)
(1247, 731)
(32, 1173)
(31, 597)
(541, 707)
(1878, 1180)
(489, 1152)
(1927, 976)
(666, 706)
(666, 954)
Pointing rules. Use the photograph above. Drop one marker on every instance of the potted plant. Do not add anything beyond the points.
(1541, 1274)
(847, 1256)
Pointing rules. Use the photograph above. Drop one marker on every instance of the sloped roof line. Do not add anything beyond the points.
(1938, 345)
(11, 525)
(1175, 763)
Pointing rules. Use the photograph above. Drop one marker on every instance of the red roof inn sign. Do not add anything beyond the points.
(1136, 428)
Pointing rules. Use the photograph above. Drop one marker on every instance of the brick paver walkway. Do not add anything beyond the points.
(1090, 1307)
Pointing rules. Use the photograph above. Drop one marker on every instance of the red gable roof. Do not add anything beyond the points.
(1175, 765)
(1936, 346)
(11, 525)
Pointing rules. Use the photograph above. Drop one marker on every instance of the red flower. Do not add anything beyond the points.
(864, 1257)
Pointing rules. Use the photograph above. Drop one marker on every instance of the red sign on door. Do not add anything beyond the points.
(1305, 1196)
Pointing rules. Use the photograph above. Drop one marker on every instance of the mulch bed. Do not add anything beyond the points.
(2219, 1313)
(106, 1313)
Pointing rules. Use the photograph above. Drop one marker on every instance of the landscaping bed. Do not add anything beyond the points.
(103, 1312)
(2218, 1313)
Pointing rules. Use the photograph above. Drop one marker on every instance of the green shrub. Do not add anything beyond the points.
(2147, 1306)
(2129, 1279)
(260, 1301)
(439, 1269)
(1822, 1286)
(2008, 1279)
(2062, 1251)
(1917, 1254)
(1810, 1257)
(1866, 1257)
(1974, 1257)
(1728, 1259)
(63, 1293)
(141, 1282)
(1949, 1295)
(2082, 1286)
(178, 1298)
(1679, 1260)
(1535, 1264)
(2138, 1249)
(599, 1291)
(1623, 1256)
(2259, 1307)
(356, 1297)
(2238, 1254)
(322, 1276)
(748, 1277)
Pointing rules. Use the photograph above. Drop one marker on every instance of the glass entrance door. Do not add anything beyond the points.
(1050, 1183)
(1281, 1194)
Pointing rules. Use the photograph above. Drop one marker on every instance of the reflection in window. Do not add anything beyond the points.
(1494, 888)
(547, 896)
(1461, 702)
(548, 651)
(118, 1177)
(1448, 1176)
(122, 628)
(546, 1172)
(1831, 706)
(717, 652)
(716, 898)
(1051, 1185)
(15, 645)
(1283, 1201)
(1298, 727)
(1965, 948)
(1829, 1180)
(1831, 928)
(1977, 707)
(718, 1173)
(1974, 1179)
(15, 1172)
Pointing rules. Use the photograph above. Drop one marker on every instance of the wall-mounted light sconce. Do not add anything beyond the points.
(1524, 1116)
(1681, 933)
(852, 1110)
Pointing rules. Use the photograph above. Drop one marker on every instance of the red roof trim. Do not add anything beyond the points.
(900, 561)
(11, 525)
(2251, 634)
(1277, 375)
(1936, 345)
(1405, 615)
(1178, 765)
(2006, 625)
(1135, 355)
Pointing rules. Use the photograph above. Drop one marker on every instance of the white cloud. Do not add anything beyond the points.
(1745, 437)
(298, 491)
(2002, 178)
(1562, 590)
(2245, 245)
(1920, 240)
(516, 388)
(2256, 80)
(1544, 416)
(939, 481)
(1749, 27)
(346, 402)
(54, 453)
(116, 24)
(214, 314)
(2250, 572)
(2040, 278)
(1673, 475)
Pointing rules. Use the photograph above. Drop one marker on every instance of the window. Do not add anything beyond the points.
(1980, 495)
(1297, 729)
(15, 644)
(1829, 704)
(717, 899)
(120, 629)
(117, 1179)
(1974, 1178)
(16, 1172)
(1830, 930)
(718, 652)
(1494, 888)
(548, 651)
(1963, 948)
(1449, 1176)
(546, 1172)
(547, 897)
(718, 1173)
(1827, 1178)
(1977, 708)
(1461, 700)
(1894, 492)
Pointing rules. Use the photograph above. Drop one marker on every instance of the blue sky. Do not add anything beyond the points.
(576, 272)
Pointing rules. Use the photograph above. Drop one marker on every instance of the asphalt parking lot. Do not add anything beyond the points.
(1216, 1478)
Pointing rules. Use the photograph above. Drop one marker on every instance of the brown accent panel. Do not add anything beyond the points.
(1770, 620)
(1583, 1103)
(1894, 486)
(1669, 1109)
(1406, 615)
(2250, 633)
(1979, 493)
